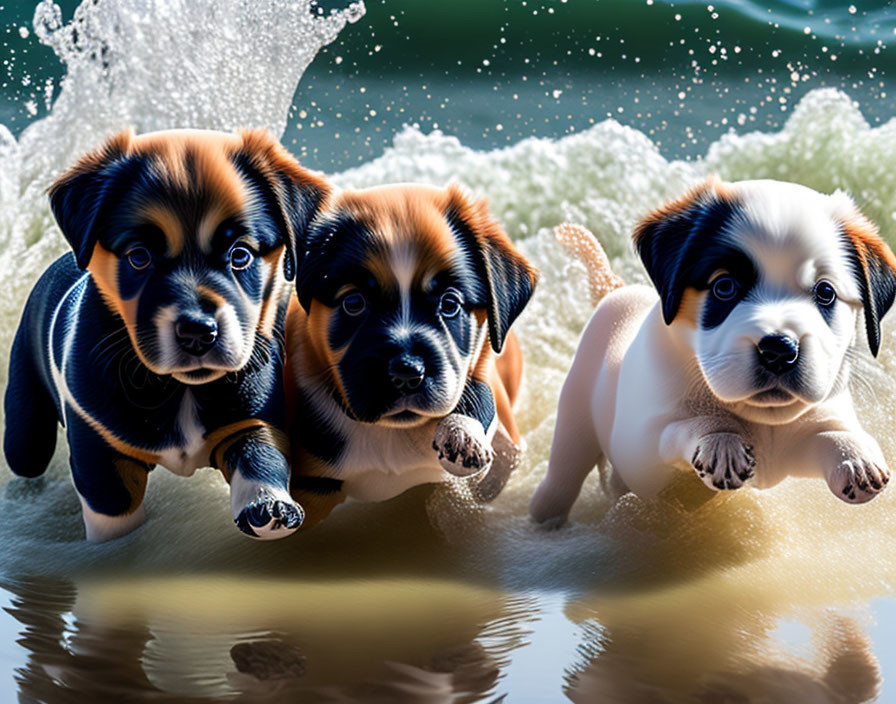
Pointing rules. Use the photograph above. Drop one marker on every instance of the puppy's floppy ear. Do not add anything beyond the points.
(80, 196)
(508, 279)
(293, 194)
(874, 268)
(669, 240)
(338, 233)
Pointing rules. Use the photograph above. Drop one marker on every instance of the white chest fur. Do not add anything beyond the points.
(184, 459)
(380, 462)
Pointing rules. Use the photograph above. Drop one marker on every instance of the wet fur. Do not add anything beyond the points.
(96, 348)
(401, 248)
(670, 377)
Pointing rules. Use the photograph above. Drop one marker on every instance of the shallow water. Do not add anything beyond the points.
(780, 596)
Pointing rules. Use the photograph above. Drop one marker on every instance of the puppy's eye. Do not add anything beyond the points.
(354, 304)
(450, 304)
(240, 258)
(825, 295)
(139, 257)
(724, 288)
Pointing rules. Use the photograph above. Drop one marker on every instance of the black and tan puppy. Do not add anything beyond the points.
(159, 341)
(404, 293)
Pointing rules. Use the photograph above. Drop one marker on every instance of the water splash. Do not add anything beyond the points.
(151, 65)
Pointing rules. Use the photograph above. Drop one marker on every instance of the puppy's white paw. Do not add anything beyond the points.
(263, 511)
(857, 480)
(462, 445)
(269, 517)
(723, 461)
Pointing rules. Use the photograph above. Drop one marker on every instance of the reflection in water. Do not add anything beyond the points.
(718, 650)
(71, 661)
(173, 639)
(409, 614)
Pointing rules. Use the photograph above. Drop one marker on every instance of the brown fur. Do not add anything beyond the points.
(868, 243)
(202, 187)
(711, 187)
(410, 218)
(875, 270)
(135, 477)
(409, 224)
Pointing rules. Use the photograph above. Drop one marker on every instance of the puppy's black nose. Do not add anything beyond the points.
(778, 353)
(196, 333)
(406, 372)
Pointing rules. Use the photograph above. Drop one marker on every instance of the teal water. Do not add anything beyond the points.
(677, 71)
(781, 596)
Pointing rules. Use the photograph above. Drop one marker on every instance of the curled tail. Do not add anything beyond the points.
(584, 245)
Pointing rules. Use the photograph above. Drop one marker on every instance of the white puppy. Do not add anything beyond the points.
(738, 370)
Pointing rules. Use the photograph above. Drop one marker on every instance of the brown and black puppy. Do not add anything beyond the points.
(159, 340)
(404, 295)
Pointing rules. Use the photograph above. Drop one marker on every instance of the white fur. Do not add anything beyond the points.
(652, 398)
(384, 459)
(99, 527)
(163, 320)
(380, 461)
(232, 349)
(187, 458)
(465, 437)
(244, 491)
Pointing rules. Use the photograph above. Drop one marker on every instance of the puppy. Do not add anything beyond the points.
(159, 340)
(404, 294)
(739, 368)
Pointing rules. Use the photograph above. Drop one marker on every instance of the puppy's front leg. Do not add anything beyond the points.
(258, 472)
(463, 437)
(714, 446)
(110, 484)
(853, 465)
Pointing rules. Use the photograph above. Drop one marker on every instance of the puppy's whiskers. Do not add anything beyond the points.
(108, 343)
(861, 369)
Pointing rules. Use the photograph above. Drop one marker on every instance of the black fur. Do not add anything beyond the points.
(290, 205)
(684, 249)
(120, 415)
(477, 402)
(505, 282)
(877, 285)
(405, 345)
(719, 255)
(336, 255)
(111, 385)
(83, 205)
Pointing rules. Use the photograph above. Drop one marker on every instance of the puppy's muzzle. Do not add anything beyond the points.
(406, 373)
(196, 334)
(778, 354)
